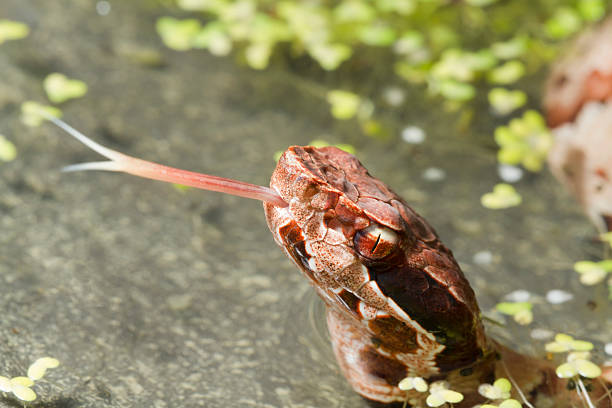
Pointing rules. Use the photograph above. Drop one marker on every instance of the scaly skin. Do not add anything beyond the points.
(397, 302)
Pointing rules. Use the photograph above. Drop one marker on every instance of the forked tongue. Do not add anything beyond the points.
(127, 164)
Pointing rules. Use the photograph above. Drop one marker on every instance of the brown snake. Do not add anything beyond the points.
(397, 302)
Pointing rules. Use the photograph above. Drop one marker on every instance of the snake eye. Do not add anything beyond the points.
(375, 242)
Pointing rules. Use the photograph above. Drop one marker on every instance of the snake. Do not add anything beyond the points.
(397, 303)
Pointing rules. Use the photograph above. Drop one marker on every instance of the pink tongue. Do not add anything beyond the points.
(128, 164)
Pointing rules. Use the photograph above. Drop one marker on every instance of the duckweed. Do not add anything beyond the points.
(8, 151)
(12, 30)
(60, 88)
(503, 196)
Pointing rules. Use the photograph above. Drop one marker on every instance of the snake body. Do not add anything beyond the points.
(397, 302)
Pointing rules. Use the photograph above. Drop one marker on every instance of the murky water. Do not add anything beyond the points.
(154, 297)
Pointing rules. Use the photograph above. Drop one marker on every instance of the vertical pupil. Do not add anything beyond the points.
(375, 242)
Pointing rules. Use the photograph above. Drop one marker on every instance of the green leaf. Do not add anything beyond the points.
(377, 35)
(33, 113)
(257, 55)
(565, 22)
(503, 384)
(330, 56)
(60, 88)
(456, 91)
(510, 403)
(591, 10)
(344, 104)
(8, 151)
(513, 48)
(12, 30)
(507, 73)
(504, 101)
(178, 34)
(214, 37)
(566, 370)
(503, 196)
(354, 11)
(512, 308)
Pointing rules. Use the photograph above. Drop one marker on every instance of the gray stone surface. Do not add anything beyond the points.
(158, 298)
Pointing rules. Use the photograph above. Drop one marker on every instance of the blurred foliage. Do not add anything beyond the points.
(60, 88)
(502, 196)
(437, 42)
(12, 30)
(525, 141)
(457, 49)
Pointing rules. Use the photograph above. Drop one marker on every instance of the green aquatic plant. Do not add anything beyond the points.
(504, 101)
(31, 113)
(577, 364)
(592, 273)
(521, 312)
(440, 394)
(498, 391)
(413, 383)
(344, 104)
(20, 386)
(524, 141)
(12, 30)
(60, 88)
(8, 151)
(502, 196)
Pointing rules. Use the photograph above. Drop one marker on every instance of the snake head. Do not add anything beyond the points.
(370, 256)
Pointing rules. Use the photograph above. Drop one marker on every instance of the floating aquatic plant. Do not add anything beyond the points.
(524, 141)
(565, 22)
(31, 113)
(564, 343)
(504, 101)
(344, 104)
(20, 386)
(578, 364)
(498, 391)
(507, 73)
(178, 34)
(502, 196)
(591, 273)
(8, 151)
(440, 394)
(521, 312)
(60, 88)
(12, 30)
(413, 383)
